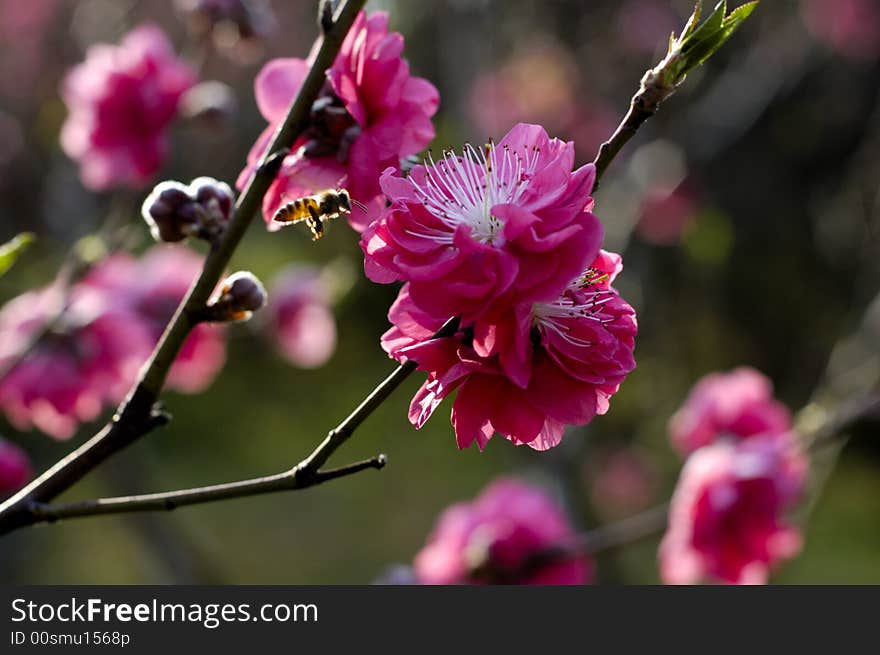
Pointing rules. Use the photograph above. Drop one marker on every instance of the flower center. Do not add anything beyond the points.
(583, 299)
(462, 189)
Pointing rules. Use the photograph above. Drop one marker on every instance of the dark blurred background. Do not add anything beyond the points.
(747, 212)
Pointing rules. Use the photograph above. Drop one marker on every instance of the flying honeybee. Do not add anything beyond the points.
(314, 210)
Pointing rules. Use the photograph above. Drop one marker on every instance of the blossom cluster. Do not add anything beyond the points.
(95, 337)
(98, 334)
(503, 238)
(744, 471)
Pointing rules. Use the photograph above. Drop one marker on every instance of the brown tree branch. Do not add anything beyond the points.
(305, 474)
(342, 432)
(644, 105)
(137, 415)
(295, 478)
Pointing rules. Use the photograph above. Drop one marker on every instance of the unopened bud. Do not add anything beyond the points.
(214, 196)
(202, 209)
(162, 212)
(240, 296)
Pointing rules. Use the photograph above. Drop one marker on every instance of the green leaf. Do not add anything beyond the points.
(739, 14)
(702, 42)
(693, 20)
(711, 24)
(697, 51)
(11, 250)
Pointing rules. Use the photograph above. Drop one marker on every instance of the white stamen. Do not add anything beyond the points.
(548, 316)
(462, 189)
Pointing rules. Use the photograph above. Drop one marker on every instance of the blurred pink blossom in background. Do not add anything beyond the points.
(666, 214)
(850, 27)
(85, 361)
(371, 114)
(151, 288)
(534, 85)
(15, 468)
(300, 318)
(726, 518)
(736, 404)
(122, 100)
(90, 356)
(537, 84)
(490, 541)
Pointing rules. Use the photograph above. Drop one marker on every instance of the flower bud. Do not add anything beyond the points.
(202, 209)
(161, 211)
(241, 295)
(214, 197)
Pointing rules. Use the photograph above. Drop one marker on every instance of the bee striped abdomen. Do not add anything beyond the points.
(325, 205)
(296, 210)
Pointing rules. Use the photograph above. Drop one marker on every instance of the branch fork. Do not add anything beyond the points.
(139, 414)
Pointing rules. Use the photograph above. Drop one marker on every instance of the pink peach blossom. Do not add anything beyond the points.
(152, 287)
(490, 541)
(726, 517)
(15, 467)
(122, 100)
(546, 366)
(511, 220)
(110, 324)
(371, 114)
(850, 27)
(738, 404)
(534, 84)
(300, 318)
(86, 360)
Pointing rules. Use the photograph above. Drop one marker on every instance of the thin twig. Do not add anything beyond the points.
(295, 478)
(137, 415)
(305, 474)
(643, 105)
(607, 537)
(623, 533)
(342, 432)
